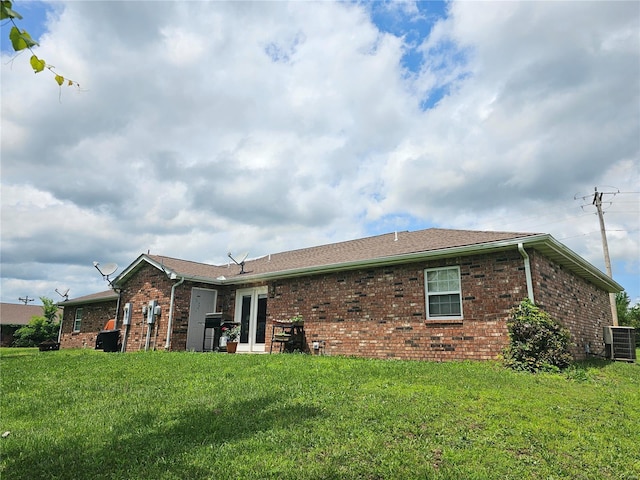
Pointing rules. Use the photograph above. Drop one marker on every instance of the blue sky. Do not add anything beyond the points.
(208, 127)
(34, 16)
(414, 26)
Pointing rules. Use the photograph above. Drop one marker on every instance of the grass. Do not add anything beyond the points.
(76, 414)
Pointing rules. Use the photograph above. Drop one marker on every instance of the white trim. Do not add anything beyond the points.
(255, 293)
(77, 320)
(448, 292)
(544, 243)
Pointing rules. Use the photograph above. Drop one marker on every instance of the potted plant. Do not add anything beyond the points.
(232, 334)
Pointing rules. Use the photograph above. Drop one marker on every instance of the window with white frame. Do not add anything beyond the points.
(78, 320)
(443, 293)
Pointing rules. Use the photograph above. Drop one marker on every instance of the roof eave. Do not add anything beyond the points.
(71, 303)
(544, 242)
(560, 253)
(207, 280)
(131, 268)
(171, 273)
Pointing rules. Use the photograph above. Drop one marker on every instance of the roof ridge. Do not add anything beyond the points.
(396, 233)
(154, 257)
(342, 242)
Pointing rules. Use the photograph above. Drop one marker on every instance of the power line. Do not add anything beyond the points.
(597, 231)
(26, 299)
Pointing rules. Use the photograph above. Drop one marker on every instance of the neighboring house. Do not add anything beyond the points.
(85, 317)
(433, 294)
(14, 316)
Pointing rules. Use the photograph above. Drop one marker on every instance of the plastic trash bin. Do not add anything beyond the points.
(108, 340)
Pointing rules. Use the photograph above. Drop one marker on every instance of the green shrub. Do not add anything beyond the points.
(536, 342)
(37, 331)
(40, 328)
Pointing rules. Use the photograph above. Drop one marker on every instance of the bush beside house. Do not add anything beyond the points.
(536, 341)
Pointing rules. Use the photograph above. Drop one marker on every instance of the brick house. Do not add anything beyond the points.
(14, 316)
(433, 294)
(84, 317)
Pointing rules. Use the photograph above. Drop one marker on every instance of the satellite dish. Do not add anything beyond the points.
(64, 294)
(108, 268)
(240, 262)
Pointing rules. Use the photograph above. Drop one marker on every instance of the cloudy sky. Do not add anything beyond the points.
(206, 127)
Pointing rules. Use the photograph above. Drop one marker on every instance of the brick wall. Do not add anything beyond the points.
(148, 283)
(94, 318)
(381, 312)
(579, 305)
(145, 284)
(378, 312)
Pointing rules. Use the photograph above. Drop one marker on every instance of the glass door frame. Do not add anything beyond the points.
(255, 293)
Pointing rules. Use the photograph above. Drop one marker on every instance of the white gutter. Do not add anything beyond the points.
(527, 271)
(543, 242)
(115, 321)
(170, 322)
(60, 328)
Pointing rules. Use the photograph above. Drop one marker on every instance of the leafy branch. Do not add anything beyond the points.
(21, 40)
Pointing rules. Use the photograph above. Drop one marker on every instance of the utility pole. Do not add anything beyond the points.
(597, 201)
(26, 299)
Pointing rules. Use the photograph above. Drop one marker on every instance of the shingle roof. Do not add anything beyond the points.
(387, 249)
(379, 247)
(107, 295)
(18, 313)
(189, 268)
(370, 248)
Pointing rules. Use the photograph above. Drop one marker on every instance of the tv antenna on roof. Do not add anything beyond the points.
(64, 294)
(243, 257)
(106, 270)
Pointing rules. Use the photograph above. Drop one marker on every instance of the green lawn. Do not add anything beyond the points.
(86, 414)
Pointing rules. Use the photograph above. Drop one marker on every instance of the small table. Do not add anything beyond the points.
(289, 336)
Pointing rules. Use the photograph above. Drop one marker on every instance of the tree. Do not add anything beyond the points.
(622, 305)
(40, 328)
(21, 40)
(628, 316)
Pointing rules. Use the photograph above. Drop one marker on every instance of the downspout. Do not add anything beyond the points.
(115, 321)
(60, 328)
(527, 271)
(124, 340)
(170, 321)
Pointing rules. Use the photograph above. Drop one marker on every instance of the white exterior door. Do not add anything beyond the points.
(251, 314)
(203, 301)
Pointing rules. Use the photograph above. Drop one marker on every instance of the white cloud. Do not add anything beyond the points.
(203, 127)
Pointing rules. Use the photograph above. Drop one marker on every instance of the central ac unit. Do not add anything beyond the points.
(620, 343)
